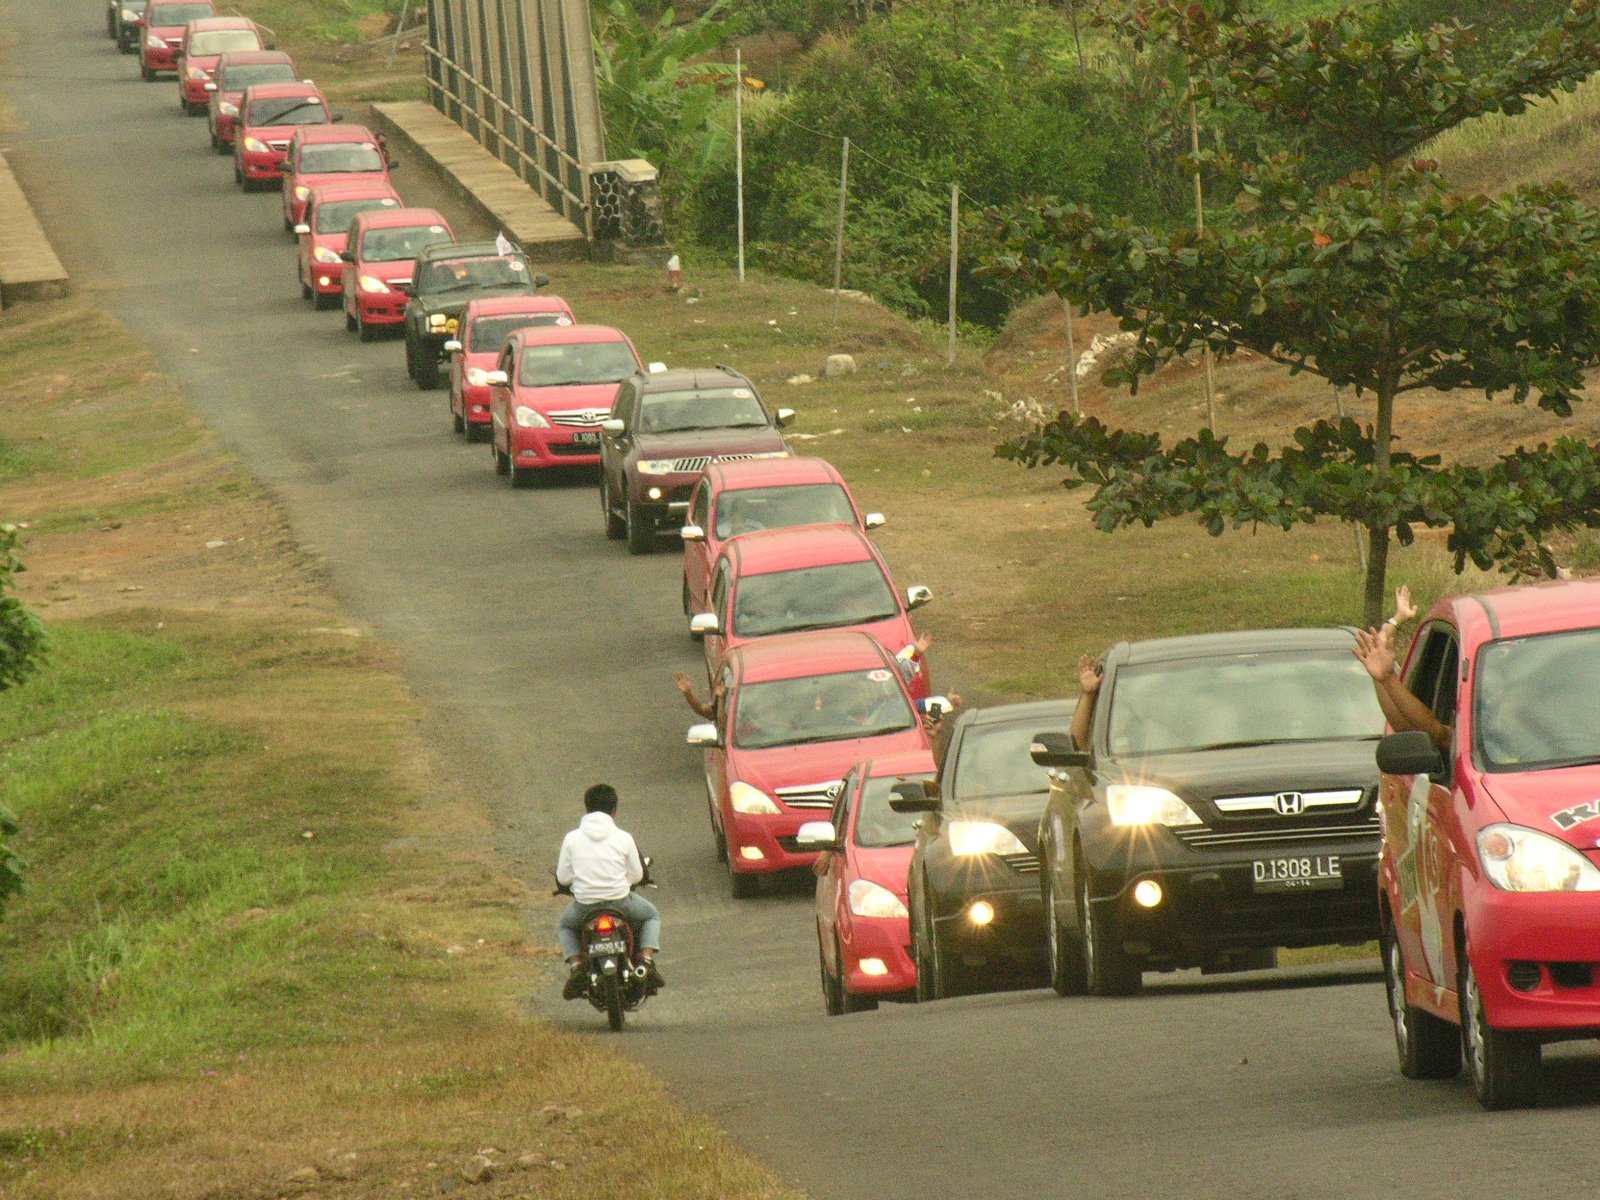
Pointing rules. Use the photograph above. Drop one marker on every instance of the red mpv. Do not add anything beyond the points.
(234, 73)
(329, 154)
(480, 337)
(269, 115)
(323, 232)
(204, 43)
(380, 257)
(162, 33)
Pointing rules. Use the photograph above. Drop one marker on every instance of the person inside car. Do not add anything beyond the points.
(1374, 649)
(1090, 675)
(600, 863)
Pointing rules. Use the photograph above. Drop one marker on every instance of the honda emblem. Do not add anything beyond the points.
(1289, 804)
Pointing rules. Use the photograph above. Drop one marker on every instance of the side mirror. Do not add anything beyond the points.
(211, 87)
(873, 520)
(1057, 750)
(703, 734)
(336, 118)
(614, 425)
(817, 835)
(493, 378)
(302, 228)
(917, 596)
(541, 281)
(1409, 753)
(346, 256)
(913, 797)
(785, 417)
(452, 347)
(692, 533)
(656, 368)
(704, 623)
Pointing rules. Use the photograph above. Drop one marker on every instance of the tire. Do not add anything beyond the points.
(307, 292)
(366, 332)
(349, 322)
(477, 432)
(238, 176)
(1428, 1047)
(718, 838)
(411, 359)
(614, 1010)
(1107, 968)
(502, 462)
(616, 529)
(146, 74)
(641, 540)
(849, 1002)
(322, 301)
(427, 370)
(459, 424)
(191, 109)
(921, 959)
(832, 986)
(1065, 961)
(742, 887)
(521, 477)
(1503, 1066)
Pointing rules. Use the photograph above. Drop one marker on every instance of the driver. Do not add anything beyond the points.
(600, 863)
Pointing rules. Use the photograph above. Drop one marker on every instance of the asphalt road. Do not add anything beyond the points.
(542, 652)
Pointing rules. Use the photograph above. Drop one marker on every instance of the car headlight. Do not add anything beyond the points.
(477, 377)
(532, 418)
(1137, 804)
(301, 192)
(195, 73)
(155, 43)
(983, 837)
(256, 145)
(227, 108)
(1517, 859)
(436, 320)
(372, 285)
(323, 255)
(868, 899)
(751, 801)
(129, 15)
(655, 466)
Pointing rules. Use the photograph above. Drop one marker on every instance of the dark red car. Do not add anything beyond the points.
(161, 33)
(478, 340)
(323, 232)
(380, 256)
(796, 713)
(234, 73)
(329, 154)
(204, 43)
(269, 116)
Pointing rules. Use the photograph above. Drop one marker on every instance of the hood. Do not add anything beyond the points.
(333, 241)
(1564, 803)
(892, 633)
(1205, 775)
(317, 179)
(886, 866)
(206, 62)
(795, 766)
(703, 442)
(1020, 814)
(595, 396)
(399, 268)
(455, 302)
(597, 826)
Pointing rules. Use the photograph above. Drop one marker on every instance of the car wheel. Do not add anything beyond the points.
(832, 989)
(921, 936)
(427, 370)
(1107, 968)
(321, 300)
(238, 175)
(502, 462)
(1504, 1066)
(307, 292)
(411, 358)
(741, 886)
(459, 424)
(1428, 1047)
(364, 330)
(1066, 963)
(641, 538)
(476, 432)
(146, 74)
(849, 1002)
(349, 322)
(615, 528)
(520, 477)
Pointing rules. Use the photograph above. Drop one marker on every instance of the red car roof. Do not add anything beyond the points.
(790, 549)
(489, 306)
(234, 58)
(562, 335)
(208, 24)
(398, 218)
(1549, 607)
(907, 762)
(335, 133)
(817, 652)
(771, 472)
(279, 91)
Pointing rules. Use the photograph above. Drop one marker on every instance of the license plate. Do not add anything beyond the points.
(1307, 873)
(613, 947)
(586, 437)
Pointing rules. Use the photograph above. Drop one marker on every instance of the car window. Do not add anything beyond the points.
(220, 41)
(403, 242)
(238, 76)
(485, 271)
(334, 216)
(820, 708)
(622, 406)
(333, 158)
(750, 509)
(992, 760)
(718, 408)
(287, 110)
(575, 364)
(490, 333)
(878, 825)
(1536, 700)
(700, 504)
(840, 816)
(813, 598)
(163, 16)
(719, 590)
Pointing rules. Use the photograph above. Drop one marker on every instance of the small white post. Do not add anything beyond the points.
(738, 148)
(955, 258)
(1072, 356)
(838, 244)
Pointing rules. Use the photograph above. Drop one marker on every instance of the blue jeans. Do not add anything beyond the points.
(643, 916)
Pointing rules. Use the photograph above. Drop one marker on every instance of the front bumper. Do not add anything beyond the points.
(381, 308)
(884, 939)
(773, 836)
(1016, 931)
(1559, 934)
(164, 58)
(262, 164)
(327, 279)
(666, 511)
(551, 448)
(223, 125)
(473, 404)
(194, 90)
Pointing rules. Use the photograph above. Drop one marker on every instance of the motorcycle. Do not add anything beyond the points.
(619, 980)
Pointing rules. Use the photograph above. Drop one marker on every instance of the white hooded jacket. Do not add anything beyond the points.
(599, 860)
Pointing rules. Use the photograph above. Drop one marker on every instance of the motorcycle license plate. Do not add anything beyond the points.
(1305, 873)
(617, 946)
(586, 437)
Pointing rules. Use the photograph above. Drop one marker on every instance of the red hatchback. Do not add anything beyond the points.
(551, 388)
(204, 43)
(768, 493)
(380, 255)
(161, 35)
(1490, 867)
(863, 926)
(233, 74)
(481, 335)
(324, 230)
(324, 154)
(269, 115)
(809, 577)
(796, 713)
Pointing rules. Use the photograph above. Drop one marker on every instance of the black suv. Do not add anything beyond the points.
(446, 277)
(1224, 807)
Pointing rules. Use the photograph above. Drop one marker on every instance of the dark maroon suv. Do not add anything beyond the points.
(664, 429)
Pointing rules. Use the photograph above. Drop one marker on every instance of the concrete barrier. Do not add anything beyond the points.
(29, 268)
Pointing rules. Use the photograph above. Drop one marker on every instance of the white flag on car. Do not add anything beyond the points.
(502, 244)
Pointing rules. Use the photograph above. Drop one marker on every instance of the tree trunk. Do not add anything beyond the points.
(1378, 534)
(1377, 567)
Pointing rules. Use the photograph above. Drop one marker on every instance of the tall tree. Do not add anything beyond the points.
(1383, 282)
(22, 642)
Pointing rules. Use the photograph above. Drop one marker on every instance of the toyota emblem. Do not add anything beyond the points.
(1289, 804)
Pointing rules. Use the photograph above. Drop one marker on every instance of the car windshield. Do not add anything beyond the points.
(220, 41)
(238, 76)
(812, 598)
(165, 16)
(335, 157)
(576, 363)
(1242, 700)
(993, 761)
(402, 241)
(1537, 702)
(749, 509)
(457, 274)
(720, 408)
(490, 333)
(287, 110)
(820, 708)
(334, 216)
(878, 825)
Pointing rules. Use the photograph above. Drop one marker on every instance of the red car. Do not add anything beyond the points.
(269, 115)
(863, 926)
(324, 154)
(769, 493)
(234, 73)
(809, 577)
(204, 43)
(324, 229)
(161, 33)
(796, 712)
(485, 325)
(1490, 868)
(380, 255)
(551, 388)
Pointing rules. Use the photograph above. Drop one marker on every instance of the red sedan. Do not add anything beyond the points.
(1490, 867)
(485, 325)
(204, 43)
(769, 493)
(329, 211)
(796, 712)
(863, 926)
(809, 577)
(162, 33)
(551, 388)
(269, 115)
(380, 255)
(233, 74)
(324, 154)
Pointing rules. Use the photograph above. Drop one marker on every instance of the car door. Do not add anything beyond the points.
(614, 446)
(831, 882)
(502, 396)
(697, 555)
(720, 602)
(716, 757)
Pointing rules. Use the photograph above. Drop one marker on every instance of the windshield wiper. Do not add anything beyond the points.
(278, 119)
(1586, 760)
(1241, 745)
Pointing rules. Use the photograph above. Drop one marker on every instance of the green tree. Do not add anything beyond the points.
(22, 643)
(1382, 282)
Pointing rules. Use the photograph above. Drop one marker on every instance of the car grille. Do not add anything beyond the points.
(283, 145)
(174, 42)
(578, 418)
(810, 795)
(701, 462)
(1201, 838)
(1023, 864)
(1290, 803)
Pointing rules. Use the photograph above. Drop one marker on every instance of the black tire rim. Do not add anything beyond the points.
(1473, 1024)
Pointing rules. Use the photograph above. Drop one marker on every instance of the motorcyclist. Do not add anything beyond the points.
(600, 864)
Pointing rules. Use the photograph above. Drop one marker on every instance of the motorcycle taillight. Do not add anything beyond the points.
(604, 924)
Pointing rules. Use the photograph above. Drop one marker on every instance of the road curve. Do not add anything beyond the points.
(542, 652)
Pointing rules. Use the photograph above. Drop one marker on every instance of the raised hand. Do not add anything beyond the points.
(1374, 649)
(1088, 673)
(1404, 610)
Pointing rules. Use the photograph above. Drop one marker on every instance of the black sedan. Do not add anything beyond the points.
(1224, 807)
(973, 884)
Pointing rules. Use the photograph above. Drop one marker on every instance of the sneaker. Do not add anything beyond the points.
(652, 975)
(577, 983)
